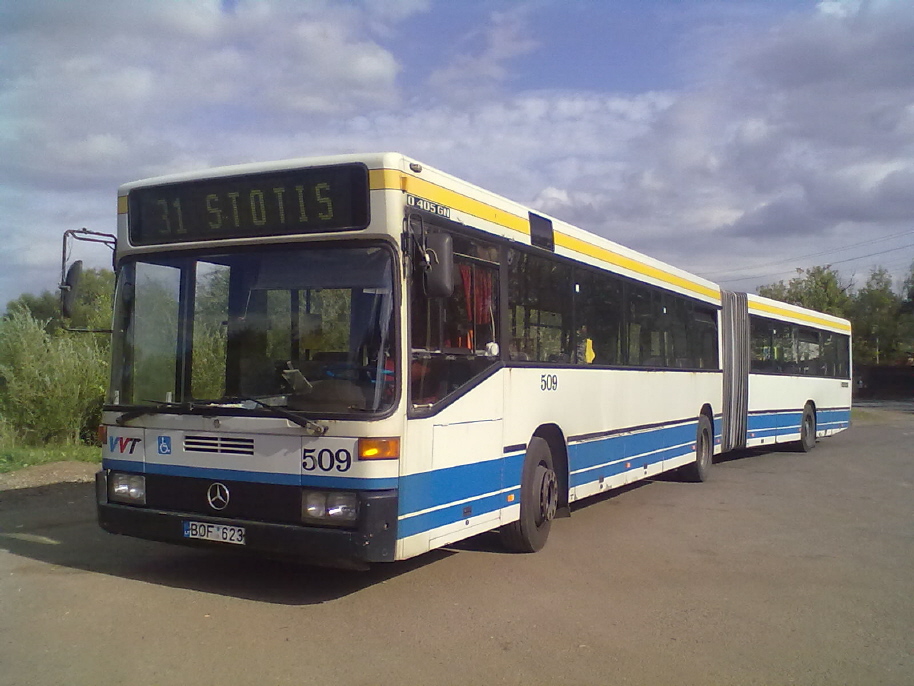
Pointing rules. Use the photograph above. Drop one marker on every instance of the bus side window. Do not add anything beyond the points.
(540, 307)
(809, 352)
(450, 336)
(598, 314)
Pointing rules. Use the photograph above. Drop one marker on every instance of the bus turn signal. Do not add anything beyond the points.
(379, 448)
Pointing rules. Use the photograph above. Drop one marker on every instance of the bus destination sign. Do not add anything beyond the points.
(309, 200)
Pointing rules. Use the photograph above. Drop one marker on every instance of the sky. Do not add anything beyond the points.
(737, 139)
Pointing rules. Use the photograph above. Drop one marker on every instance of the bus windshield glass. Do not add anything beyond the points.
(300, 328)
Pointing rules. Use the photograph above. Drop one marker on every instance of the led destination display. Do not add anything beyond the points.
(294, 201)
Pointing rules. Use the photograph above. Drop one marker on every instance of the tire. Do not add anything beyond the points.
(539, 497)
(700, 470)
(807, 430)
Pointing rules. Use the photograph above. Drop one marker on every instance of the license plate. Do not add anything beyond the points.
(214, 532)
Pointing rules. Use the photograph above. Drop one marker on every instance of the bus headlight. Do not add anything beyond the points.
(329, 507)
(127, 488)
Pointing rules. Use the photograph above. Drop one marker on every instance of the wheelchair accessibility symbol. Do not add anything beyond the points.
(164, 443)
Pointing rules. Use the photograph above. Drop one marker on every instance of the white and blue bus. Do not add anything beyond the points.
(359, 358)
(787, 373)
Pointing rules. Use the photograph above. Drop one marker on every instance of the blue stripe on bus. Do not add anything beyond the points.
(608, 457)
(776, 423)
(350, 483)
(444, 486)
(782, 423)
(454, 513)
(839, 418)
(773, 424)
(485, 486)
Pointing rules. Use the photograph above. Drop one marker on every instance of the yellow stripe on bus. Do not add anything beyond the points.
(122, 204)
(618, 260)
(812, 319)
(390, 179)
(385, 179)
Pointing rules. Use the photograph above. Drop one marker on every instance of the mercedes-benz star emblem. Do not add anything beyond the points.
(218, 496)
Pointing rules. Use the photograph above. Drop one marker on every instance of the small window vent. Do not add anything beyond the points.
(219, 444)
(541, 232)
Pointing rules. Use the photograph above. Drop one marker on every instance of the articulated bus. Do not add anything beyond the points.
(787, 372)
(359, 358)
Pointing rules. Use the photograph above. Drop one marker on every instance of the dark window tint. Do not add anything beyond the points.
(599, 318)
(782, 348)
(540, 309)
(561, 314)
(703, 337)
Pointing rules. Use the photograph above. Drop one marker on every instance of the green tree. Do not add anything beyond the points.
(94, 300)
(817, 288)
(44, 308)
(875, 316)
(52, 382)
(92, 308)
(51, 386)
(906, 317)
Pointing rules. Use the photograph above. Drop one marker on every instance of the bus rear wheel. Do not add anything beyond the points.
(807, 430)
(539, 499)
(699, 470)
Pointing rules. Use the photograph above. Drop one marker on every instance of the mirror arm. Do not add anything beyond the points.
(417, 241)
(66, 287)
(70, 235)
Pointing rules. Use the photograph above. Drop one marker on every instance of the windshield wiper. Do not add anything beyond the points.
(312, 427)
(155, 408)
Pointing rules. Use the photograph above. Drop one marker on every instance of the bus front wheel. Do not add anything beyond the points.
(539, 498)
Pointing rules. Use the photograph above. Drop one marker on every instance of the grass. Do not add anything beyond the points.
(13, 458)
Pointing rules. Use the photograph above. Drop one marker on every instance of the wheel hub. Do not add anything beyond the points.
(549, 496)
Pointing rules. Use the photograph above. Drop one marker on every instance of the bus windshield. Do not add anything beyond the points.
(301, 328)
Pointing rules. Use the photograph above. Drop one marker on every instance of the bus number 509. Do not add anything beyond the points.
(549, 382)
(326, 460)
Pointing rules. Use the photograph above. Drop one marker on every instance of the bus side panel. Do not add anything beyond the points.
(451, 484)
(620, 425)
(776, 407)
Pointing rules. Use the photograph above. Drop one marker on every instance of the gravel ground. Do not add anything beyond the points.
(45, 474)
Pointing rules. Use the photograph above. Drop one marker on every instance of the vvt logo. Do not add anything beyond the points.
(123, 444)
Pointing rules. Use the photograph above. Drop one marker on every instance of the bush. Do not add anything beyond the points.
(7, 435)
(51, 387)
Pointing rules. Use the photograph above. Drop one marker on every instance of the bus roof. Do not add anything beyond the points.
(473, 206)
(775, 309)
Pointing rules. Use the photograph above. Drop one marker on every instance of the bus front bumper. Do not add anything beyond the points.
(374, 540)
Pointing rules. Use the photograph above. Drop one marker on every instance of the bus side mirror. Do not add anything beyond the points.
(70, 288)
(439, 266)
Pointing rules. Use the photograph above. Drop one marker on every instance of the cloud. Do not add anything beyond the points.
(115, 83)
(788, 137)
(93, 94)
(803, 141)
(482, 69)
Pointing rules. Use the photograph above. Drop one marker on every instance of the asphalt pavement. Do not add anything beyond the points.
(784, 568)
